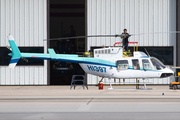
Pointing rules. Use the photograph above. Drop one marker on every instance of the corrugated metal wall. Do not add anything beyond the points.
(26, 20)
(105, 17)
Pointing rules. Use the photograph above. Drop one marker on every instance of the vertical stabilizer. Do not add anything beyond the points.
(16, 54)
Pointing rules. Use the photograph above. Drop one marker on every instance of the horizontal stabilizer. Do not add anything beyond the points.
(52, 53)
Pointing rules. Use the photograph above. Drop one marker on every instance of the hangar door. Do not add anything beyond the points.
(66, 19)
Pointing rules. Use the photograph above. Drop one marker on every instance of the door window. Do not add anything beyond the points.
(122, 64)
(146, 64)
(135, 64)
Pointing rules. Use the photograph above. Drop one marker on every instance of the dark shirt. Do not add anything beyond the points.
(125, 40)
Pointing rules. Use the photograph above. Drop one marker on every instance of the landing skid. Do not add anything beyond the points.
(111, 88)
(145, 88)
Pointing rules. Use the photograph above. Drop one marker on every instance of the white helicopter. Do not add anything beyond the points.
(107, 62)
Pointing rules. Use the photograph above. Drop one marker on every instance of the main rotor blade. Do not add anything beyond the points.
(154, 33)
(116, 35)
(65, 38)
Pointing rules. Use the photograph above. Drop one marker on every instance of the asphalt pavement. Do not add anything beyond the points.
(61, 103)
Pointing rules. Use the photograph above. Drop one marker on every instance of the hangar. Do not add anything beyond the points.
(31, 21)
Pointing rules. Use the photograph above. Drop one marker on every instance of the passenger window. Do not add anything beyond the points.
(135, 64)
(122, 64)
(146, 64)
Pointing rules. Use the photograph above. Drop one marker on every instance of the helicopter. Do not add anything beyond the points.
(108, 62)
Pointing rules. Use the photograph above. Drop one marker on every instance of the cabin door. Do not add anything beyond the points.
(136, 72)
(147, 68)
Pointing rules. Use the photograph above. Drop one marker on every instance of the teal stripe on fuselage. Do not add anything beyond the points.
(46, 55)
(69, 58)
(142, 69)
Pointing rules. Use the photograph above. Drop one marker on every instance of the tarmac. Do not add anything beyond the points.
(92, 92)
(61, 103)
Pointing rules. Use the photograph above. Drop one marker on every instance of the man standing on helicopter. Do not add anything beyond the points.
(125, 41)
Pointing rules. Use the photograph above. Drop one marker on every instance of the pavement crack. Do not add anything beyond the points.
(19, 88)
(89, 101)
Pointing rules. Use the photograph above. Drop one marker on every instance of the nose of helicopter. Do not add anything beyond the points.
(167, 73)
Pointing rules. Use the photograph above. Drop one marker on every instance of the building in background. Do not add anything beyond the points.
(31, 21)
(26, 20)
(137, 16)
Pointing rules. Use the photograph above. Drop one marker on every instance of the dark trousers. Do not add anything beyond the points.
(125, 46)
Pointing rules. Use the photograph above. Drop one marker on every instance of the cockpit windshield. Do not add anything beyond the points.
(157, 64)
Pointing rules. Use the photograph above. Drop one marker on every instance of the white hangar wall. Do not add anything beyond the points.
(26, 20)
(105, 17)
